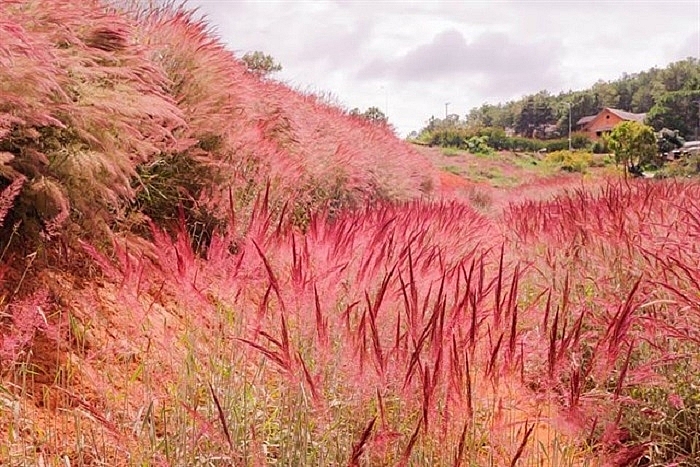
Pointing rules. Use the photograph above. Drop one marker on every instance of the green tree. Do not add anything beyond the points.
(683, 75)
(667, 89)
(260, 63)
(606, 94)
(677, 110)
(535, 114)
(372, 114)
(634, 145)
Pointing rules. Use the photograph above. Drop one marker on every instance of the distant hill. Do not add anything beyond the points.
(669, 95)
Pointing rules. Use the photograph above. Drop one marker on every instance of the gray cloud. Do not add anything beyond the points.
(336, 44)
(492, 59)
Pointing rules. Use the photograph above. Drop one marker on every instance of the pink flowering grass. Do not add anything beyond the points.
(412, 332)
(236, 272)
(628, 250)
(429, 310)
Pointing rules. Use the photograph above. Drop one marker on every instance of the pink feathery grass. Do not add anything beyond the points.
(8, 195)
(333, 273)
(359, 447)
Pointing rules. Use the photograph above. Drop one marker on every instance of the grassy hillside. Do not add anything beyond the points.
(200, 267)
(107, 116)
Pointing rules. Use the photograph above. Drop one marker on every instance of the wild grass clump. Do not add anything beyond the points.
(636, 238)
(96, 108)
(400, 333)
(83, 107)
(310, 306)
(665, 417)
(570, 161)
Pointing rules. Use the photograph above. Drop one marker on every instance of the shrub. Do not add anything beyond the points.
(570, 161)
(448, 137)
(479, 145)
(580, 141)
(518, 143)
(600, 147)
(556, 145)
(82, 107)
(495, 137)
(687, 166)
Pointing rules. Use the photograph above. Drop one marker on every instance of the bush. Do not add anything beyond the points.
(600, 147)
(580, 141)
(556, 145)
(570, 161)
(518, 143)
(479, 145)
(495, 137)
(685, 167)
(448, 137)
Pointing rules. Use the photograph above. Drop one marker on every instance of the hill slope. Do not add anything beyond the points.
(107, 112)
(198, 267)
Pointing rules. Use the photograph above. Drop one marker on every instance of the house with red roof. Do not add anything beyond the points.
(603, 122)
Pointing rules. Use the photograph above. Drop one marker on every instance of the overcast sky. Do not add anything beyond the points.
(410, 58)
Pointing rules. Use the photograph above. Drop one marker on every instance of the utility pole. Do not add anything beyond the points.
(697, 129)
(446, 105)
(569, 126)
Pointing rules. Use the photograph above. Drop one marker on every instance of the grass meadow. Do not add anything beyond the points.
(199, 266)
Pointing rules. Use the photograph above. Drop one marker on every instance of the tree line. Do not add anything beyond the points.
(669, 96)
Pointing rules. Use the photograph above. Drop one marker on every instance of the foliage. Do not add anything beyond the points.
(687, 166)
(460, 136)
(667, 141)
(372, 114)
(679, 110)
(667, 94)
(536, 112)
(633, 144)
(570, 161)
(260, 63)
(478, 145)
(600, 146)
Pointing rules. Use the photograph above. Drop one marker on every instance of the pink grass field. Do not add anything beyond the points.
(355, 307)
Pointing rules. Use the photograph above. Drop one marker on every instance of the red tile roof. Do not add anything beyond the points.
(628, 116)
(584, 120)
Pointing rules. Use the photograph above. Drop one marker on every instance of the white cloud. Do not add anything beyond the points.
(691, 47)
